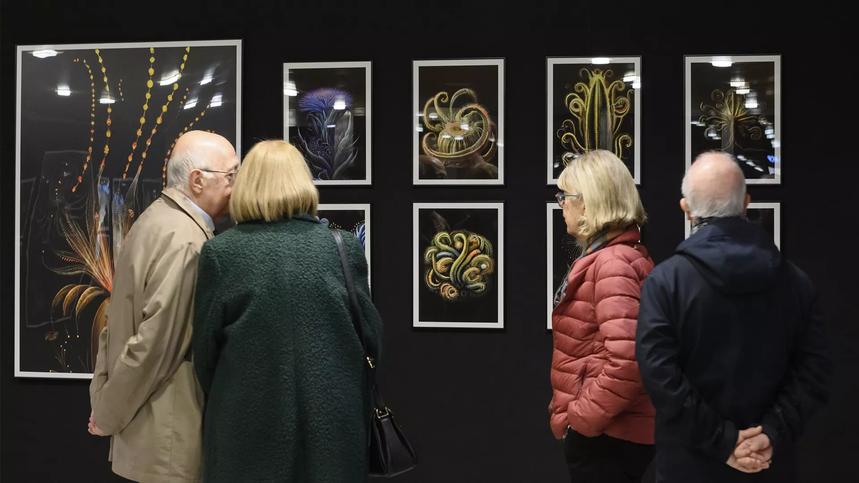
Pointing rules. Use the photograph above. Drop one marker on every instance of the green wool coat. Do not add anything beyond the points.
(278, 358)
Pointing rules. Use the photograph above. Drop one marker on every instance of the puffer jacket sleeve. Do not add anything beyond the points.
(616, 297)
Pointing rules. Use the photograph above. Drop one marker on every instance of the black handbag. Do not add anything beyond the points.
(391, 453)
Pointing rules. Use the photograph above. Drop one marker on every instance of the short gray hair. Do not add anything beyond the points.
(180, 166)
(712, 203)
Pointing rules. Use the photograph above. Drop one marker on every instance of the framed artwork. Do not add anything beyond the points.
(765, 214)
(561, 250)
(458, 136)
(593, 103)
(354, 218)
(96, 126)
(326, 115)
(458, 265)
(768, 216)
(733, 104)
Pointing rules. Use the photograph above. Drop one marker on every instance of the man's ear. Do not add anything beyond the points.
(196, 182)
(685, 207)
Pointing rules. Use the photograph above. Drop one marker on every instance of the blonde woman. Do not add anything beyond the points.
(275, 350)
(599, 407)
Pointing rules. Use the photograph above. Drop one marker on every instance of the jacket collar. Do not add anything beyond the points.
(184, 204)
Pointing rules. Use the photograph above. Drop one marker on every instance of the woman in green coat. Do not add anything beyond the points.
(275, 349)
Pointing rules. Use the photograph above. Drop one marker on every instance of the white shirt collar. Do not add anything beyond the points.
(208, 219)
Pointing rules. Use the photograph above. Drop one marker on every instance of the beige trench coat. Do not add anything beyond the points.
(144, 392)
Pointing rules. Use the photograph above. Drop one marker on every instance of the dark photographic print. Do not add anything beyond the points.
(96, 126)
(593, 103)
(733, 104)
(327, 117)
(458, 265)
(459, 122)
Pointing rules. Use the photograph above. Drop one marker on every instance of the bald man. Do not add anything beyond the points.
(730, 342)
(143, 392)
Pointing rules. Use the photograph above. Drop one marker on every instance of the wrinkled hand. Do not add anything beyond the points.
(93, 428)
(753, 451)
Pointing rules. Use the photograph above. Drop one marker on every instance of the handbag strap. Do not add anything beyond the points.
(378, 402)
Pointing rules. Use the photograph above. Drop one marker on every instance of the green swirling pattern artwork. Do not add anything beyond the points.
(459, 264)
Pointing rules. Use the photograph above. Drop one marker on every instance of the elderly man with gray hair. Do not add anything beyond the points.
(144, 393)
(730, 341)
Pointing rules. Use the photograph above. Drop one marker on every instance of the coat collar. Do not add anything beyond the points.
(184, 204)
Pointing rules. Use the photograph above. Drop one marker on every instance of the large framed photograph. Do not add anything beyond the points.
(733, 104)
(561, 251)
(96, 124)
(766, 214)
(458, 136)
(353, 217)
(326, 115)
(593, 103)
(458, 265)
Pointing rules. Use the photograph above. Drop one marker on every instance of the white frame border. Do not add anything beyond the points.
(368, 88)
(551, 62)
(20, 50)
(418, 264)
(416, 107)
(687, 92)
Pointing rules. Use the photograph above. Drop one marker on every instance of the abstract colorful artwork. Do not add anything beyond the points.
(458, 277)
(96, 126)
(326, 115)
(458, 135)
(593, 103)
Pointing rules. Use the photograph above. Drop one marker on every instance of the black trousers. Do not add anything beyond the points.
(604, 459)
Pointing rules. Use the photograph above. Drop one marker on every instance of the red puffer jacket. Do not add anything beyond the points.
(596, 386)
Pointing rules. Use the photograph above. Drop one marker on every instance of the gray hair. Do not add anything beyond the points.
(707, 201)
(180, 166)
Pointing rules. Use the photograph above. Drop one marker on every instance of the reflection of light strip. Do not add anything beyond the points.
(339, 105)
(289, 89)
(419, 114)
(41, 54)
(697, 123)
(743, 91)
(192, 103)
(216, 101)
(169, 78)
(738, 82)
(64, 91)
(751, 103)
(458, 138)
(464, 126)
(630, 77)
(636, 84)
(721, 62)
(445, 136)
(433, 115)
(105, 99)
(331, 126)
(206, 80)
(600, 60)
(420, 129)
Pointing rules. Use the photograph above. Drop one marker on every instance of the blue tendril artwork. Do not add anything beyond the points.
(327, 140)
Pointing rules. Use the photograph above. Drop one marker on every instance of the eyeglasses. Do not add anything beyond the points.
(230, 175)
(561, 197)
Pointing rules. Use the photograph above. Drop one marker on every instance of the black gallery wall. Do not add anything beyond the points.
(474, 401)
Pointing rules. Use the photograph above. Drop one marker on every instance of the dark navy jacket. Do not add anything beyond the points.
(729, 336)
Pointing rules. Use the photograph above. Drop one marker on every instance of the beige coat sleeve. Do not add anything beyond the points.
(152, 355)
